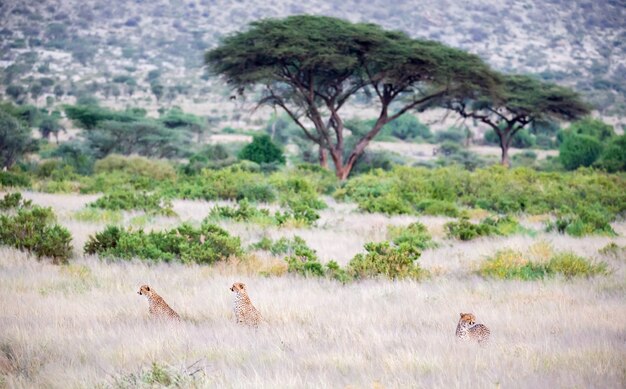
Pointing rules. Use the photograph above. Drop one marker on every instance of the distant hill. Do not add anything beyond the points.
(130, 52)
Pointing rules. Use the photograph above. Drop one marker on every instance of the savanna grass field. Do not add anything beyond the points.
(82, 324)
(323, 194)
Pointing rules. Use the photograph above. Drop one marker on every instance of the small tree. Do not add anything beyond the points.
(262, 150)
(613, 158)
(15, 139)
(520, 101)
(16, 92)
(579, 150)
(49, 124)
(311, 66)
(592, 127)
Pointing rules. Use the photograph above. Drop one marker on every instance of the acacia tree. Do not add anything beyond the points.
(520, 101)
(310, 66)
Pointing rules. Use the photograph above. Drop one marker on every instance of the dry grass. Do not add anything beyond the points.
(83, 324)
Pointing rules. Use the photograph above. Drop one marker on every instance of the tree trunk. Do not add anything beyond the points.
(323, 157)
(504, 161)
(505, 143)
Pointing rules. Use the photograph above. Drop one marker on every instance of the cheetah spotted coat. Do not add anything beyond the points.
(157, 307)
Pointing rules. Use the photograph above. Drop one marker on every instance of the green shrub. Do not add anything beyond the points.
(137, 166)
(244, 212)
(14, 179)
(413, 235)
(466, 230)
(437, 207)
(613, 158)
(126, 200)
(510, 264)
(571, 265)
(587, 220)
(262, 150)
(14, 200)
(591, 127)
(579, 150)
(495, 189)
(301, 259)
(32, 228)
(386, 260)
(205, 245)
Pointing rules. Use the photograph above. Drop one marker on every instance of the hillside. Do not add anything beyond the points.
(131, 52)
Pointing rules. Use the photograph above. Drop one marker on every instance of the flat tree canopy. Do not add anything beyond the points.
(521, 100)
(310, 66)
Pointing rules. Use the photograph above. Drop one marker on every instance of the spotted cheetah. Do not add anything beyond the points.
(245, 312)
(467, 329)
(157, 306)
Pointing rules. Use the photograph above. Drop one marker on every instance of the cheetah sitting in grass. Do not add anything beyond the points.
(245, 312)
(158, 308)
(467, 329)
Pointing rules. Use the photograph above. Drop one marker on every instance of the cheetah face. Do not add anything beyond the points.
(143, 290)
(468, 318)
(238, 287)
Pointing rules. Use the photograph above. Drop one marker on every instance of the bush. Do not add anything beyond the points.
(137, 166)
(465, 230)
(591, 127)
(494, 189)
(14, 179)
(15, 139)
(244, 212)
(262, 150)
(413, 235)
(509, 264)
(205, 245)
(32, 228)
(384, 259)
(406, 127)
(584, 220)
(437, 207)
(613, 158)
(125, 200)
(303, 259)
(579, 150)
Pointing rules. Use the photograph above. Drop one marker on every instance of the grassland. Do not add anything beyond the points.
(82, 324)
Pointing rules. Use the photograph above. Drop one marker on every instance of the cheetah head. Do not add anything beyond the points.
(468, 319)
(144, 290)
(238, 287)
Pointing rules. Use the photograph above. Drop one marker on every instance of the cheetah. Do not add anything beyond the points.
(467, 329)
(157, 306)
(245, 312)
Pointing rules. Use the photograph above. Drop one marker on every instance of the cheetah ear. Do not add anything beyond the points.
(461, 314)
(148, 288)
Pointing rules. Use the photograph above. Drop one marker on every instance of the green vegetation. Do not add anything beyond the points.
(126, 201)
(262, 150)
(519, 101)
(205, 245)
(494, 189)
(579, 150)
(32, 228)
(583, 220)
(466, 230)
(413, 235)
(15, 138)
(387, 260)
(510, 264)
